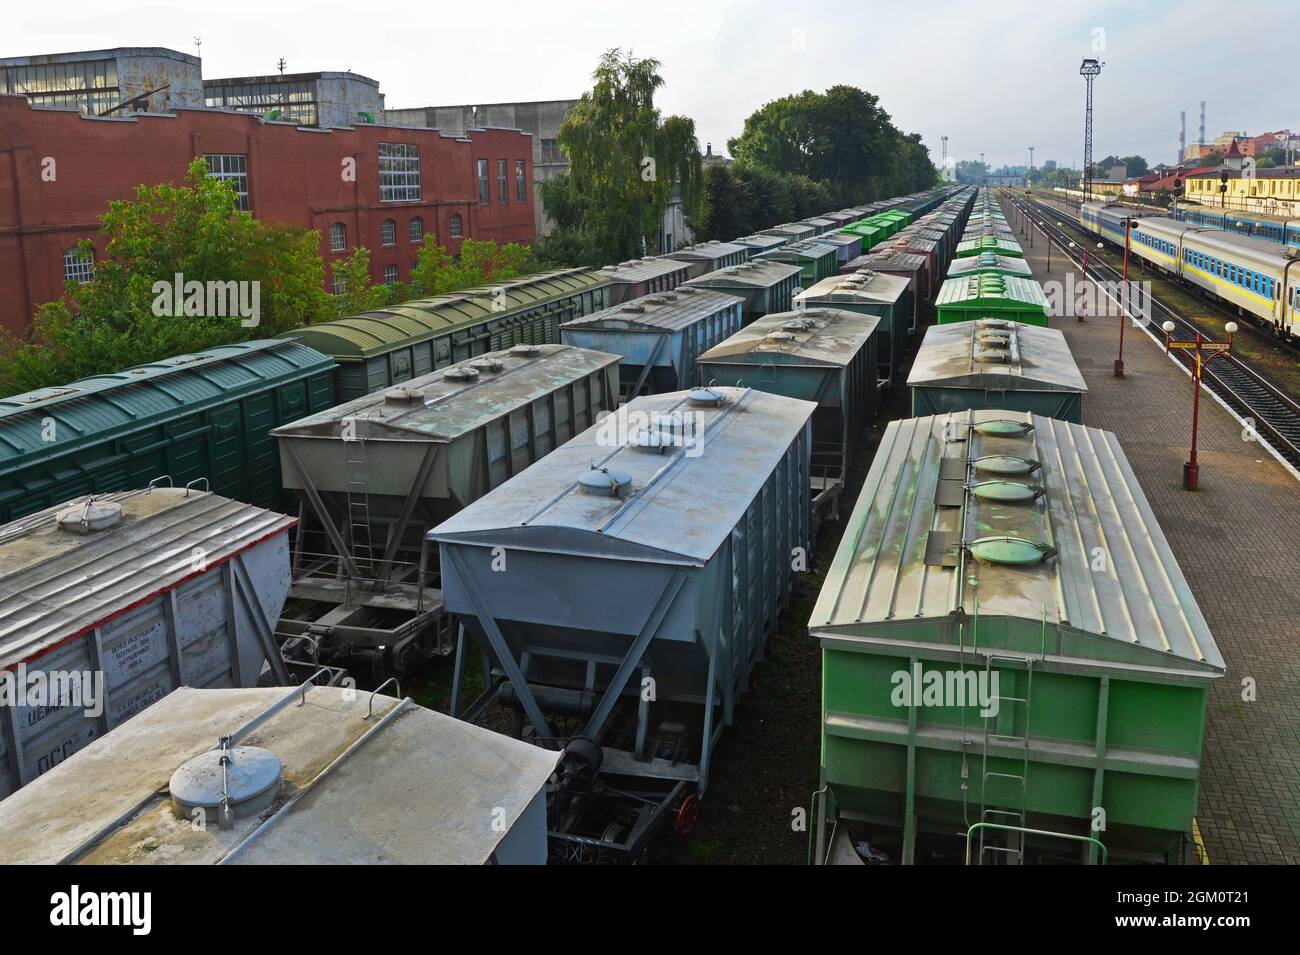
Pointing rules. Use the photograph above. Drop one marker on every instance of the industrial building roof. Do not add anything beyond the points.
(994, 514)
(661, 311)
(60, 576)
(811, 336)
(456, 400)
(995, 355)
(680, 494)
(401, 784)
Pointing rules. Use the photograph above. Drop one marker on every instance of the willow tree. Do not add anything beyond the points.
(626, 161)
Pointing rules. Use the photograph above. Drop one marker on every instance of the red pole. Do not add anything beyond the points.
(1119, 362)
(1191, 469)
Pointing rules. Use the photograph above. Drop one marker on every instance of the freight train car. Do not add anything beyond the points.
(991, 296)
(659, 338)
(710, 256)
(905, 266)
(388, 346)
(816, 260)
(989, 263)
(648, 560)
(764, 286)
(823, 355)
(888, 297)
(847, 246)
(261, 771)
(762, 243)
(1010, 653)
(990, 363)
(376, 473)
(147, 590)
(790, 231)
(192, 417)
(637, 277)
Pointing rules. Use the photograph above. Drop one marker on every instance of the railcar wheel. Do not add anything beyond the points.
(688, 814)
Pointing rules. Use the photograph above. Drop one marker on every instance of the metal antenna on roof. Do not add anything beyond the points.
(280, 64)
(198, 46)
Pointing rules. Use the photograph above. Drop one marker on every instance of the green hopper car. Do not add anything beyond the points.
(991, 296)
(816, 260)
(1015, 669)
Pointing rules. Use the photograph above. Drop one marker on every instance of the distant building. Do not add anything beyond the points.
(1275, 190)
(306, 99)
(107, 82)
(710, 158)
(542, 120)
(59, 169)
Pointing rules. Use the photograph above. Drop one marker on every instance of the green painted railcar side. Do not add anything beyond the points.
(379, 349)
(189, 418)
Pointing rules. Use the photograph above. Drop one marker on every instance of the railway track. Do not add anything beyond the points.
(1271, 413)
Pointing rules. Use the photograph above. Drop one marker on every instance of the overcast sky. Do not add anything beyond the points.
(994, 77)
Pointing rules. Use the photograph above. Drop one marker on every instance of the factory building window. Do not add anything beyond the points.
(338, 284)
(521, 194)
(388, 232)
(501, 180)
(390, 275)
(417, 230)
(231, 169)
(338, 237)
(292, 101)
(399, 172)
(91, 84)
(483, 195)
(78, 266)
(457, 226)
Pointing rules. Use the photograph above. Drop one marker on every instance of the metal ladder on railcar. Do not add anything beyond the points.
(358, 501)
(1007, 817)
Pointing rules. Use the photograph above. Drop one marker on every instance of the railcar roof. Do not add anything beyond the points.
(995, 355)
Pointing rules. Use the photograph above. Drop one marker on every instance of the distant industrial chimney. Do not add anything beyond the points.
(1202, 140)
(1182, 136)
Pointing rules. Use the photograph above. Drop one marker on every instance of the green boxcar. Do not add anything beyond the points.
(990, 363)
(888, 297)
(206, 416)
(991, 296)
(871, 235)
(989, 263)
(816, 260)
(385, 347)
(1007, 641)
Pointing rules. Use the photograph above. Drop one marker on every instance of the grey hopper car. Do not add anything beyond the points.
(824, 355)
(905, 265)
(638, 277)
(317, 775)
(994, 363)
(710, 256)
(658, 546)
(765, 286)
(153, 589)
(659, 338)
(763, 242)
(847, 246)
(870, 293)
(376, 473)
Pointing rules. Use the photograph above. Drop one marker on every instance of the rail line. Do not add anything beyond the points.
(1272, 414)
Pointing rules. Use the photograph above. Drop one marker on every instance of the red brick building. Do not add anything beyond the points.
(383, 187)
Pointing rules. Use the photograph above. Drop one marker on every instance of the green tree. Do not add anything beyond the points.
(841, 138)
(194, 230)
(357, 293)
(1137, 166)
(480, 261)
(625, 161)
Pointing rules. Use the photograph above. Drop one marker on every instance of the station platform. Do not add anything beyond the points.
(1237, 539)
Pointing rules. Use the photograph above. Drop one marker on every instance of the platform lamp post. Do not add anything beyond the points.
(1123, 312)
(1200, 345)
